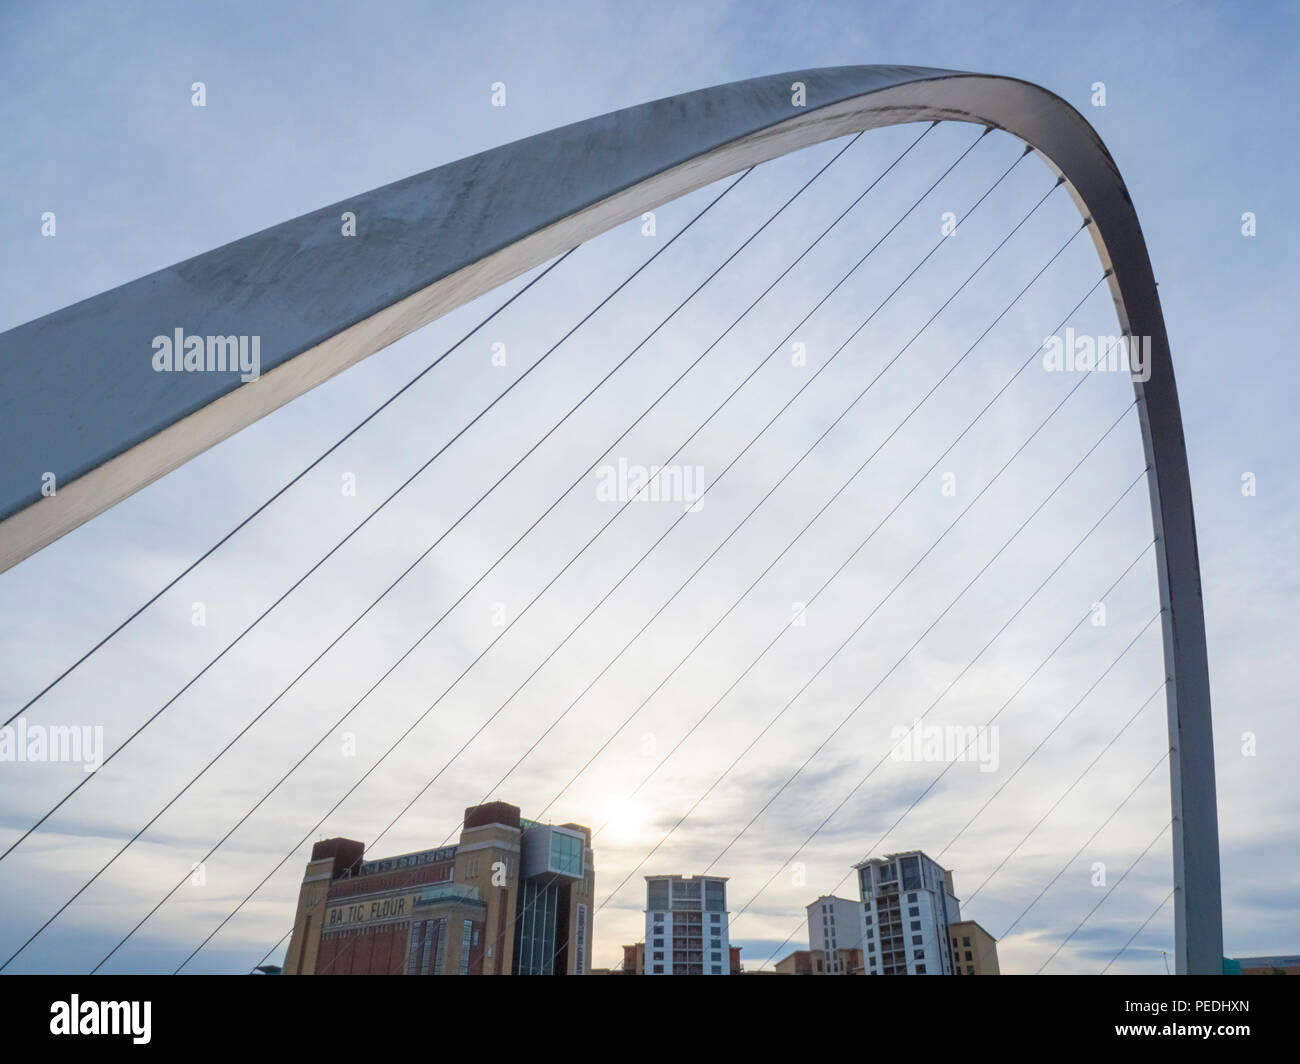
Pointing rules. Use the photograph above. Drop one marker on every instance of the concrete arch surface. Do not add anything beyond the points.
(80, 398)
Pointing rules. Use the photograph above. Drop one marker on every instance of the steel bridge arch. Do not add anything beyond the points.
(79, 397)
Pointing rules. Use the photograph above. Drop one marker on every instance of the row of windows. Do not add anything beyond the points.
(680, 917)
(426, 947)
(683, 894)
(914, 910)
(410, 860)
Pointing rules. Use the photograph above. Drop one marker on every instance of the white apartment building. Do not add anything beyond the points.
(908, 905)
(834, 925)
(686, 929)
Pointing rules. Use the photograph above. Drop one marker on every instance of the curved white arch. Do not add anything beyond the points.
(79, 396)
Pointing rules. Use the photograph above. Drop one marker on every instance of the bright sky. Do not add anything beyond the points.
(309, 104)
